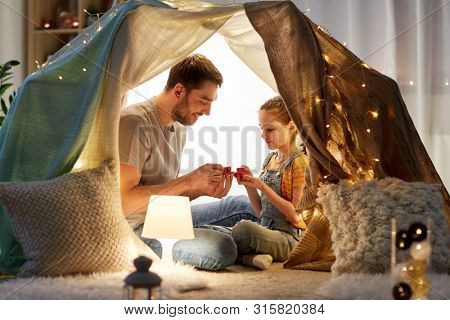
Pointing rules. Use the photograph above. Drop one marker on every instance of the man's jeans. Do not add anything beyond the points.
(213, 247)
(226, 212)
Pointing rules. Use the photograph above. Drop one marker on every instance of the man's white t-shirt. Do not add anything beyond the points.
(145, 143)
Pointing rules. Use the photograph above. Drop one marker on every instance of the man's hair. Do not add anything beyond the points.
(192, 72)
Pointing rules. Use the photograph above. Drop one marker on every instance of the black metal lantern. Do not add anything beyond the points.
(142, 284)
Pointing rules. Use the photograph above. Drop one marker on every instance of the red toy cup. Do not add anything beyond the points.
(239, 173)
(227, 170)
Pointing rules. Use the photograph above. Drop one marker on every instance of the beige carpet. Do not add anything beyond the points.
(236, 282)
(239, 282)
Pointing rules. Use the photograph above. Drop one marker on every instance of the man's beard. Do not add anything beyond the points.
(180, 113)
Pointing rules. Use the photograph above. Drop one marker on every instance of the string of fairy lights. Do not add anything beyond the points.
(410, 276)
(114, 12)
(445, 81)
(371, 114)
(86, 38)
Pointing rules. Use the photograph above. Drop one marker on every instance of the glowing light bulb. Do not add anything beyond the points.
(368, 130)
(325, 177)
(84, 41)
(400, 272)
(374, 114)
(411, 83)
(84, 69)
(345, 44)
(327, 126)
(363, 85)
(446, 82)
(376, 160)
(421, 250)
(420, 286)
(60, 77)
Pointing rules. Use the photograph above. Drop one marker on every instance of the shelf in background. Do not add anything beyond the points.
(43, 43)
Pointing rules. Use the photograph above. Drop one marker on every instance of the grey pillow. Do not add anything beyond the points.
(70, 224)
(360, 217)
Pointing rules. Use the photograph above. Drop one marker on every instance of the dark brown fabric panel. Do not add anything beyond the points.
(351, 118)
(299, 76)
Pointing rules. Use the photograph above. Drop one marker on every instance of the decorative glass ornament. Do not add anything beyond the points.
(420, 286)
(416, 268)
(417, 232)
(410, 275)
(400, 272)
(403, 241)
(401, 291)
(420, 250)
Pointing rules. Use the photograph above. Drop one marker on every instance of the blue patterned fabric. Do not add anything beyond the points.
(48, 123)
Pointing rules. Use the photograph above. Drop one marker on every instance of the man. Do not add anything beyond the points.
(151, 141)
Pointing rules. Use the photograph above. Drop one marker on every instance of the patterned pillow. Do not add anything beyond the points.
(70, 224)
(360, 217)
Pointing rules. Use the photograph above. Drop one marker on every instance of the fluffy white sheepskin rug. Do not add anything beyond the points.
(176, 278)
(360, 217)
(377, 287)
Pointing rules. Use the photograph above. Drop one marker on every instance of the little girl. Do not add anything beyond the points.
(275, 195)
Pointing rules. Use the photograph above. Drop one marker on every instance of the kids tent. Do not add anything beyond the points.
(351, 118)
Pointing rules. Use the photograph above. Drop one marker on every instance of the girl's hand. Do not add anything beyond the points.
(251, 182)
(246, 170)
(241, 171)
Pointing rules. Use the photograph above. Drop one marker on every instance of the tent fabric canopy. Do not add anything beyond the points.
(69, 110)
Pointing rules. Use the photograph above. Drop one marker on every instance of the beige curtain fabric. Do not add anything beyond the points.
(352, 119)
(149, 41)
(247, 44)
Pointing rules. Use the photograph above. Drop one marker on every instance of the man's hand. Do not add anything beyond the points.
(223, 187)
(208, 180)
